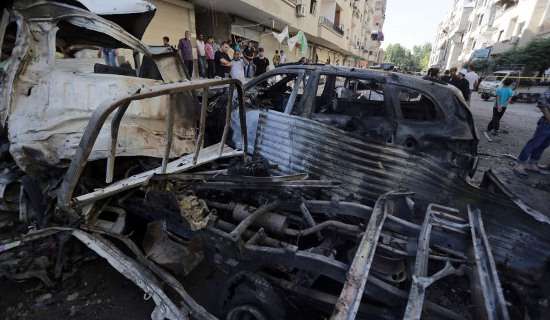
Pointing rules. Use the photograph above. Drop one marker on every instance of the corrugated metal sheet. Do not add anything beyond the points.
(368, 169)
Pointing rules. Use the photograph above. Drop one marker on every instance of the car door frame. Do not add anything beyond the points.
(389, 93)
(300, 77)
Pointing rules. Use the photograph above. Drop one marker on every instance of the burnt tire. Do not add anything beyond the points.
(250, 296)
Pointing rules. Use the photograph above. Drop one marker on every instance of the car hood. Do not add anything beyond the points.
(132, 15)
(489, 84)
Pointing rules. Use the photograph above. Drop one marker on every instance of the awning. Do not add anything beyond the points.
(240, 29)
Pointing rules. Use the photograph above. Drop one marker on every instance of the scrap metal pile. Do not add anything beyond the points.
(162, 182)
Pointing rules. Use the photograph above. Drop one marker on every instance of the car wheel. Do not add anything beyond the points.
(485, 96)
(250, 296)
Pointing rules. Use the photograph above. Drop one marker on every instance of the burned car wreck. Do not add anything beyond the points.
(316, 191)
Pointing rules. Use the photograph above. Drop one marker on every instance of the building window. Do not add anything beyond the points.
(313, 7)
(473, 45)
(520, 28)
(511, 28)
(500, 35)
(480, 19)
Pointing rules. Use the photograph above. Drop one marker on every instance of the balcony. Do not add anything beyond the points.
(324, 21)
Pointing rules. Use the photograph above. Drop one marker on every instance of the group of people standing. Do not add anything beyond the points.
(225, 59)
(465, 80)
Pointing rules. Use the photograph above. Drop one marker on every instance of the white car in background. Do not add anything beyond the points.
(488, 86)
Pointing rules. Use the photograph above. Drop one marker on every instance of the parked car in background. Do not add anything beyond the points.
(525, 88)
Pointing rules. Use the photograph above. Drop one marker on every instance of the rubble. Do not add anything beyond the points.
(307, 214)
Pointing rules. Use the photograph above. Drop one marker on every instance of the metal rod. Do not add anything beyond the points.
(227, 117)
(169, 131)
(115, 126)
(137, 61)
(202, 126)
(248, 221)
(308, 217)
(417, 293)
(350, 298)
(242, 120)
(101, 113)
(485, 273)
(3, 25)
(321, 226)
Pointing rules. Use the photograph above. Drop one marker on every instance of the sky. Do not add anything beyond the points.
(413, 22)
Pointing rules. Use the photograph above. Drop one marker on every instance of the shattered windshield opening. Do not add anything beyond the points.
(275, 91)
(417, 106)
(352, 104)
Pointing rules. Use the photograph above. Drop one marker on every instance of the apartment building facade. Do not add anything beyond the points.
(449, 41)
(338, 31)
(492, 27)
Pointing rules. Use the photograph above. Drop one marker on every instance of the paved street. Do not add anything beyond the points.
(517, 126)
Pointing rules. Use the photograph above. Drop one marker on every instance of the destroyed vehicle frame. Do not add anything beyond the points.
(254, 251)
(396, 110)
(238, 244)
(51, 78)
(294, 141)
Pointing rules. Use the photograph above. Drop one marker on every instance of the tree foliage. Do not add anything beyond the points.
(535, 56)
(414, 60)
(421, 55)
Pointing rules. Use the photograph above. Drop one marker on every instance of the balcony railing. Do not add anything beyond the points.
(328, 23)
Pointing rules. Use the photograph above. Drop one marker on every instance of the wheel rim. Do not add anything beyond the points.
(245, 312)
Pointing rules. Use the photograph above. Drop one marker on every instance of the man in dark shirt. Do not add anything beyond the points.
(446, 76)
(186, 51)
(249, 54)
(462, 84)
(433, 74)
(223, 63)
(528, 159)
(261, 62)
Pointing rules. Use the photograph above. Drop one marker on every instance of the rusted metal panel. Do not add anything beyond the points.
(368, 169)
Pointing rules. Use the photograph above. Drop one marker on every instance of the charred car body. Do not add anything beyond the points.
(323, 199)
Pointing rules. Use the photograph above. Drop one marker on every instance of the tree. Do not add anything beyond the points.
(398, 55)
(402, 57)
(535, 56)
(421, 55)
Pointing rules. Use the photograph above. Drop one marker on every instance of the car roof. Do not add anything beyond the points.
(506, 71)
(350, 71)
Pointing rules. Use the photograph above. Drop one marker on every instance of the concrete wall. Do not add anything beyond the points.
(213, 24)
(172, 19)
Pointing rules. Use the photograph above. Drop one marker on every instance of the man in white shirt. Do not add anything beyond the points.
(283, 57)
(237, 66)
(201, 55)
(472, 78)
